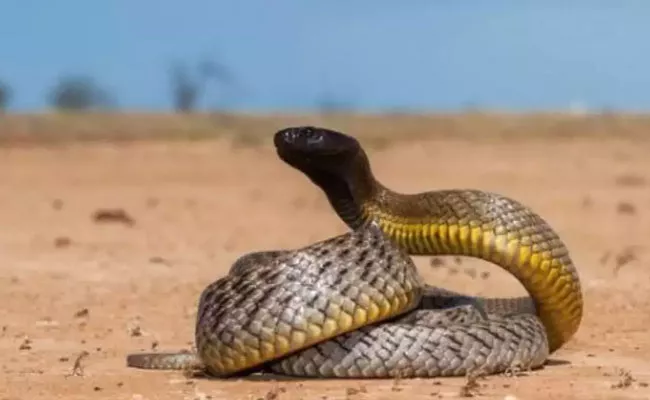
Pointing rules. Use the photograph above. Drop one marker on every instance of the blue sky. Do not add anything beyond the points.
(372, 54)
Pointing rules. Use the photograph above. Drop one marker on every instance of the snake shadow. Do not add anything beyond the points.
(267, 376)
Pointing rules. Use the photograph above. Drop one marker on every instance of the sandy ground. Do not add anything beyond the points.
(76, 286)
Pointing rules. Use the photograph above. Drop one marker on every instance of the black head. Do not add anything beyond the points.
(313, 147)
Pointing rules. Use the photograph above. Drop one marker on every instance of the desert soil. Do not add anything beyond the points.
(104, 250)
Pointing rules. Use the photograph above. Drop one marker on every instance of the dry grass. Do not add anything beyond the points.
(377, 130)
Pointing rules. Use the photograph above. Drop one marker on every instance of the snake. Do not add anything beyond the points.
(354, 305)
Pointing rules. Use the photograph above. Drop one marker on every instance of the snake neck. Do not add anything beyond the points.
(358, 198)
(349, 192)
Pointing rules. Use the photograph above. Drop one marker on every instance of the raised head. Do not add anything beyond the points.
(309, 148)
(335, 162)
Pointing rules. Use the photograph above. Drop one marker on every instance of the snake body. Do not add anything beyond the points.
(354, 305)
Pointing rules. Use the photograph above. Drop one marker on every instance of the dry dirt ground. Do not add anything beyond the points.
(83, 285)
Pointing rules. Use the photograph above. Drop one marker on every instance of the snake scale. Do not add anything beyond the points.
(354, 305)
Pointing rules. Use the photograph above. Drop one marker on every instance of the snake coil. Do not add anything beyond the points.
(354, 305)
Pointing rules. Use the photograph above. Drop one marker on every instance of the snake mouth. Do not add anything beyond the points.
(314, 146)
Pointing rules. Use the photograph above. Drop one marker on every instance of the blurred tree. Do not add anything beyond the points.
(188, 87)
(185, 89)
(5, 96)
(79, 93)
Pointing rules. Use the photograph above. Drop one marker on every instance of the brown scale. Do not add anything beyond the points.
(429, 331)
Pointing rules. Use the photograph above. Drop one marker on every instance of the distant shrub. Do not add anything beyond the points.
(5, 96)
(79, 93)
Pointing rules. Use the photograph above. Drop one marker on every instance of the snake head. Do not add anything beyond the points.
(313, 147)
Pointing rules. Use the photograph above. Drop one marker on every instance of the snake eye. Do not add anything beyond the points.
(314, 140)
(299, 137)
